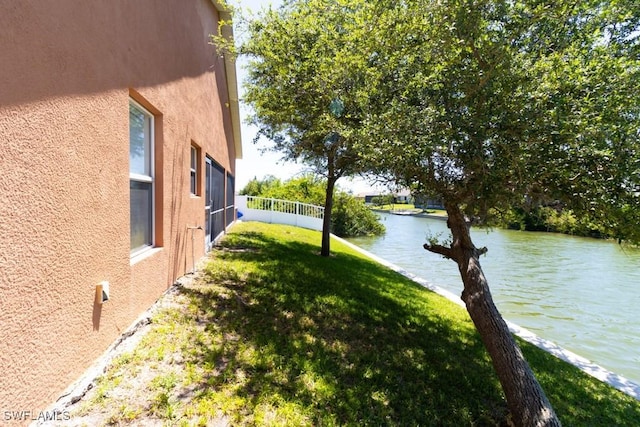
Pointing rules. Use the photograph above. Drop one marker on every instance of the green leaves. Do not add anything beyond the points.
(485, 102)
(304, 82)
(479, 102)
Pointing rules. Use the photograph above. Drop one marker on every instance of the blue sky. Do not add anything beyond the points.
(254, 163)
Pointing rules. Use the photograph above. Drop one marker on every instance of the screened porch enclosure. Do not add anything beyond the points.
(219, 210)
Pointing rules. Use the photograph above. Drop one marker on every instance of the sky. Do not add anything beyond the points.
(258, 164)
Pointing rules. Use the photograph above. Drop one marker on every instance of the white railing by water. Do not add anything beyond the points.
(278, 211)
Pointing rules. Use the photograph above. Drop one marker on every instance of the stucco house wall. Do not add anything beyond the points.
(69, 70)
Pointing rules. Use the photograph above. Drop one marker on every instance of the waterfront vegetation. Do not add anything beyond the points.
(271, 333)
(538, 218)
(553, 219)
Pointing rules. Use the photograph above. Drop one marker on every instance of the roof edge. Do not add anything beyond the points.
(232, 79)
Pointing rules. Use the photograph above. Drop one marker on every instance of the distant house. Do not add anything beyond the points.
(367, 197)
(119, 127)
(401, 197)
(423, 202)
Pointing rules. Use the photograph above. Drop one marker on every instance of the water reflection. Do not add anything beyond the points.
(578, 292)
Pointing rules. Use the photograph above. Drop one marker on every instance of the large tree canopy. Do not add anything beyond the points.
(588, 114)
(487, 104)
(304, 85)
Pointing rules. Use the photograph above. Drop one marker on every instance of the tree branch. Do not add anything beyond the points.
(440, 250)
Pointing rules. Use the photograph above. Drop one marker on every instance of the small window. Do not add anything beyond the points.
(194, 171)
(141, 183)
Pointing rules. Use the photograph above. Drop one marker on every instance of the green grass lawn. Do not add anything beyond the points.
(408, 207)
(274, 334)
(395, 207)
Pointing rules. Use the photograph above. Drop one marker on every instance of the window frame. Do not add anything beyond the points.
(144, 178)
(194, 170)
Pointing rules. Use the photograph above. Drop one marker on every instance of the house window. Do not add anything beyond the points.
(141, 183)
(193, 172)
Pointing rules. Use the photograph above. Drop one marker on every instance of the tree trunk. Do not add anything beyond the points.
(326, 221)
(526, 400)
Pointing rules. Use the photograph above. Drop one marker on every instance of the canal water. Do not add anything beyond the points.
(581, 293)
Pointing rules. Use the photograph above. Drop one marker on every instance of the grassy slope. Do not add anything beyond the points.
(278, 335)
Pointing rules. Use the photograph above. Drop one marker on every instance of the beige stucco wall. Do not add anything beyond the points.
(67, 71)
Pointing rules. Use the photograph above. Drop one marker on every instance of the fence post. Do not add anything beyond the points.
(271, 207)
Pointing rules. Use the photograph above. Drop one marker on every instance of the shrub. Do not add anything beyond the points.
(352, 218)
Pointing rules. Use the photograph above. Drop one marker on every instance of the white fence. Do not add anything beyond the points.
(280, 212)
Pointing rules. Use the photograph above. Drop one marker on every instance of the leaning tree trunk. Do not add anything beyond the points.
(326, 221)
(526, 400)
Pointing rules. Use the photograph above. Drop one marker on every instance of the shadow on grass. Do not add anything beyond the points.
(341, 340)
